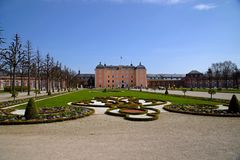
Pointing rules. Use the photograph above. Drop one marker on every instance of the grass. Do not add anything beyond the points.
(62, 100)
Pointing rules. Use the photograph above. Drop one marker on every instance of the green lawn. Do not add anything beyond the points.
(89, 94)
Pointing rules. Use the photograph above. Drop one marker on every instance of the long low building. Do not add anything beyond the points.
(165, 80)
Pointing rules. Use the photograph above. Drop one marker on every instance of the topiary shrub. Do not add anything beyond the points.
(211, 92)
(234, 105)
(31, 111)
(166, 92)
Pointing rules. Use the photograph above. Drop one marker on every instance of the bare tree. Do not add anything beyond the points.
(22, 70)
(52, 73)
(39, 66)
(228, 69)
(29, 63)
(47, 65)
(210, 75)
(236, 76)
(13, 57)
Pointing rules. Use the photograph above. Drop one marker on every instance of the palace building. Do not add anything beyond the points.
(122, 76)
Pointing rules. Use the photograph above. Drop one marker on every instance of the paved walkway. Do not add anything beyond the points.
(100, 137)
(22, 95)
(226, 96)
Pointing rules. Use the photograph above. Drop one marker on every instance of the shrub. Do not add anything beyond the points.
(15, 94)
(166, 92)
(105, 90)
(234, 105)
(211, 92)
(49, 93)
(184, 91)
(31, 110)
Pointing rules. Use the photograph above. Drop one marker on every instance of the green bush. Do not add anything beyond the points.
(166, 92)
(49, 93)
(31, 110)
(211, 92)
(14, 94)
(105, 90)
(234, 105)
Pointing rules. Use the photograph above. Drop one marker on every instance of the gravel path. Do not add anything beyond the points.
(226, 96)
(101, 137)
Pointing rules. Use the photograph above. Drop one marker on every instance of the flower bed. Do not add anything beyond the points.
(54, 114)
(207, 110)
(133, 111)
(126, 107)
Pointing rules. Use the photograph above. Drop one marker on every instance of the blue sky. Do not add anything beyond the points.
(167, 36)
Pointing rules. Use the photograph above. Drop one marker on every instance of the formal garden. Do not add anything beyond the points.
(131, 105)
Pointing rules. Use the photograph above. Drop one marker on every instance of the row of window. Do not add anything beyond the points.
(116, 76)
(117, 81)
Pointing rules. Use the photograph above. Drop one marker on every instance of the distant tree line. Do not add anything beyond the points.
(22, 60)
(224, 72)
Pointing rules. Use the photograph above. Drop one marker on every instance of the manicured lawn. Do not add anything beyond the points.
(89, 94)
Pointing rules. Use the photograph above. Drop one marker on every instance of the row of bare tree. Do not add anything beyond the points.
(224, 71)
(22, 61)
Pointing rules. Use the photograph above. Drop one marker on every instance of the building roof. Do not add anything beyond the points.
(194, 72)
(165, 76)
(140, 66)
(100, 66)
(3, 72)
(87, 75)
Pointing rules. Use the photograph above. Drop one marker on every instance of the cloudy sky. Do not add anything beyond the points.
(167, 36)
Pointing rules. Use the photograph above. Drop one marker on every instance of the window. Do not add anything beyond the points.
(112, 81)
(108, 81)
(113, 76)
(122, 76)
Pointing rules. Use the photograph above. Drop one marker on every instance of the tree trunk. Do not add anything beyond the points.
(29, 88)
(13, 83)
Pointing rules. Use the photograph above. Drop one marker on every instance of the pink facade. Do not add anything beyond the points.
(120, 76)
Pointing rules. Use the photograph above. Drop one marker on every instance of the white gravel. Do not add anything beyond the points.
(19, 112)
(99, 137)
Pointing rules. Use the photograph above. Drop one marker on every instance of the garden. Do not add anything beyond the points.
(131, 105)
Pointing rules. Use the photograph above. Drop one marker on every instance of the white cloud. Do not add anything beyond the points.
(202, 7)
